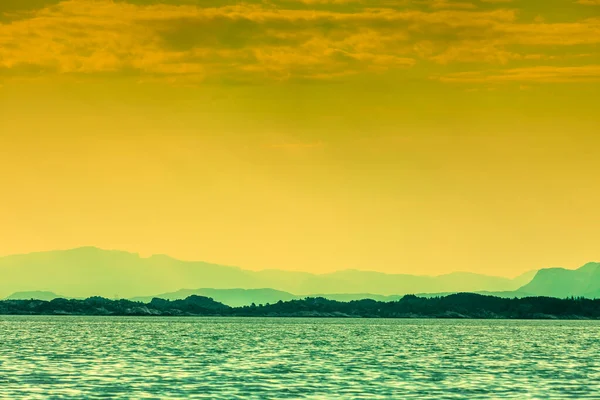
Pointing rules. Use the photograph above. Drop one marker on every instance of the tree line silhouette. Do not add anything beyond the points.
(461, 305)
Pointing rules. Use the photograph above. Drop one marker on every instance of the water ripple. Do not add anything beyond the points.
(140, 357)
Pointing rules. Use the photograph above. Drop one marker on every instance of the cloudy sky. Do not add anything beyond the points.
(419, 136)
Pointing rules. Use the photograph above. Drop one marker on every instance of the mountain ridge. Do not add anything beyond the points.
(88, 271)
(561, 282)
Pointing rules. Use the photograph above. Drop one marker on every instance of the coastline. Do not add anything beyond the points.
(456, 306)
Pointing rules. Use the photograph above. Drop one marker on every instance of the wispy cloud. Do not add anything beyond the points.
(193, 41)
(585, 73)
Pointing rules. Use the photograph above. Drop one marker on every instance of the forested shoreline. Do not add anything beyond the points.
(462, 305)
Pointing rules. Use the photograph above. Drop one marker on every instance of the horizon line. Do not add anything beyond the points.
(138, 254)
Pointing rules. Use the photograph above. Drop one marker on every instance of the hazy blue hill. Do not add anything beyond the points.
(35, 295)
(90, 271)
(353, 281)
(345, 297)
(289, 281)
(245, 297)
(504, 295)
(230, 297)
(524, 278)
(560, 282)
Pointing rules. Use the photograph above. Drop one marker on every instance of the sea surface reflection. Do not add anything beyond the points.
(142, 357)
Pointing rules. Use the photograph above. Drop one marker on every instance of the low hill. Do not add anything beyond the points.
(561, 283)
(245, 297)
(35, 295)
(230, 297)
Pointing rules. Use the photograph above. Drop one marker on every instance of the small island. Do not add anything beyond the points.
(461, 305)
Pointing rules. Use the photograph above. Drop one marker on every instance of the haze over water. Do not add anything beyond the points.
(99, 357)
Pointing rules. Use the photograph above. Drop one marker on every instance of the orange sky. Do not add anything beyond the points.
(418, 137)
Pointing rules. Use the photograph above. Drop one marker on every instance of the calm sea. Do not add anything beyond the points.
(106, 357)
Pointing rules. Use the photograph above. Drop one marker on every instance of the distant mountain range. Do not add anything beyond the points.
(560, 282)
(246, 297)
(88, 271)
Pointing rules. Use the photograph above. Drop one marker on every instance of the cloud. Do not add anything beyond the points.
(192, 41)
(586, 73)
(445, 4)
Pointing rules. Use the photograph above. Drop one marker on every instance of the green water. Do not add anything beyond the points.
(106, 357)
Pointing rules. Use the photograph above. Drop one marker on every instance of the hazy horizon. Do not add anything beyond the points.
(418, 136)
(242, 267)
